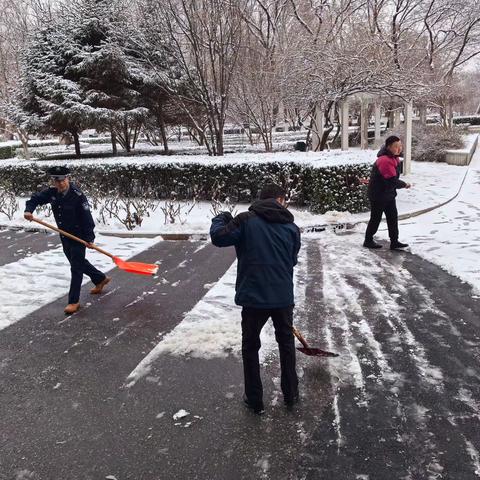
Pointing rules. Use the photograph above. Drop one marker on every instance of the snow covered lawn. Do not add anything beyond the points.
(324, 159)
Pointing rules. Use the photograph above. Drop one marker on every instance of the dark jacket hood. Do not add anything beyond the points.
(385, 151)
(271, 211)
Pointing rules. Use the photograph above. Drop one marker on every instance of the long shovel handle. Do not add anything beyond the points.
(73, 237)
(300, 337)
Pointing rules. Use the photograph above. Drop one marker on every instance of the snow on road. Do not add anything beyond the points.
(210, 330)
(34, 281)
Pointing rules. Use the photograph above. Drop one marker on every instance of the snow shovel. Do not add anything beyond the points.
(313, 352)
(132, 267)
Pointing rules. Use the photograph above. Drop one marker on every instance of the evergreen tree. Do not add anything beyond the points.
(107, 77)
(53, 100)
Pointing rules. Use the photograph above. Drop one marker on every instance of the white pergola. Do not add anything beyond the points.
(365, 101)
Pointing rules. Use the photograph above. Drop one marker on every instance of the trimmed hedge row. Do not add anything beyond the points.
(6, 151)
(321, 189)
(472, 120)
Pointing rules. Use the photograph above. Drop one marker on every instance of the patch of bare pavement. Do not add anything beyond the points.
(401, 402)
(16, 245)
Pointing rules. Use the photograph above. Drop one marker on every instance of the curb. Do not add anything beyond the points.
(165, 236)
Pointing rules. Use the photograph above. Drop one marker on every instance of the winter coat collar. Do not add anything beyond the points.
(384, 151)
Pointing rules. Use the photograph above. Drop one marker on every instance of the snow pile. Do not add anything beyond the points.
(180, 414)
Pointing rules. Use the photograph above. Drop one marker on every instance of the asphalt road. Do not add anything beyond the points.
(402, 401)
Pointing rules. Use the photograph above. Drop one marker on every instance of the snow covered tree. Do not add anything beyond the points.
(153, 69)
(203, 38)
(54, 99)
(18, 19)
(256, 87)
(110, 82)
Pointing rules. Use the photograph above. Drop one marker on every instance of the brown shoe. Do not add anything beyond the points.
(98, 288)
(72, 308)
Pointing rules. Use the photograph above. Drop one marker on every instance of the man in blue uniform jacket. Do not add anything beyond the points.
(267, 243)
(72, 214)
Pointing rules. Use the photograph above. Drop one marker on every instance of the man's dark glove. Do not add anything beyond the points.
(225, 216)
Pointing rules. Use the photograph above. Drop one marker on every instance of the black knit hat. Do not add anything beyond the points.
(272, 190)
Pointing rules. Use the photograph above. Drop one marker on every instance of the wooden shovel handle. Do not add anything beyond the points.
(300, 337)
(73, 237)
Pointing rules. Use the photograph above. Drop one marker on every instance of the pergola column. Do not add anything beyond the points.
(407, 155)
(344, 123)
(378, 119)
(397, 120)
(318, 123)
(364, 124)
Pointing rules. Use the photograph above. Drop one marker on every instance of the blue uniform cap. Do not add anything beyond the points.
(58, 172)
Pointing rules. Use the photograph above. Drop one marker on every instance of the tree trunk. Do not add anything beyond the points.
(114, 142)
(391, 120)
(23, 135)
(163, 132)
(219, 141)
(326, 134)
(126, 134)
(423, 115)
(450, 114)
(77, 143)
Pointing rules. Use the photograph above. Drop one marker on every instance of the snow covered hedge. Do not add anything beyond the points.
(6, 151)
(471, 119)
(320, 188)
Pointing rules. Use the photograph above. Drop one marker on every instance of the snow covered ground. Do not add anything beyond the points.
(448, 237)
(403, 390)
(319, 159)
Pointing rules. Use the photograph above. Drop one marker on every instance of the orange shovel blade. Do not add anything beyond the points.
(136, 267)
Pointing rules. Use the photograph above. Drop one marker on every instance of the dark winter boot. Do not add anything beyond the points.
(291, 402)
(396, 245)
(371, 244)
(257, 408)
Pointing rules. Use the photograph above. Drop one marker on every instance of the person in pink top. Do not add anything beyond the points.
(382, 190)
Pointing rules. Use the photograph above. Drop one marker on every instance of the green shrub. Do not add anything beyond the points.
(6, 151)
(471, 119)
(319, 188)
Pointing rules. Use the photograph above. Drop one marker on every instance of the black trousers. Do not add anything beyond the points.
(253, 320)
(79, 265)
(391, 214)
